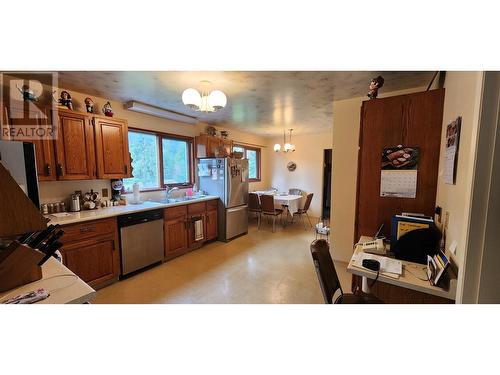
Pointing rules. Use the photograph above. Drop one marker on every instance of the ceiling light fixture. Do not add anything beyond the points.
(287, 146)
(206, 101)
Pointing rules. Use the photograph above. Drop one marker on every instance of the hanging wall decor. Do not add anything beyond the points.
(291, 166)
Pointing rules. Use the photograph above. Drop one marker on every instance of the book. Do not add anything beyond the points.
(403, 224)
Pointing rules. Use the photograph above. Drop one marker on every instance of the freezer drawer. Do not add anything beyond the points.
(236, 221)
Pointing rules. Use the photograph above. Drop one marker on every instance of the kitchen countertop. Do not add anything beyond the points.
(102, 213)
(62, 284)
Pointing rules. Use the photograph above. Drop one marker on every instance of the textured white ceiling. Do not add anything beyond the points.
(259, 102)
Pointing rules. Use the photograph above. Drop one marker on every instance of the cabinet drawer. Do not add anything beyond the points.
(80, 231)
(212, 205)
(197, 208)
(175, 212)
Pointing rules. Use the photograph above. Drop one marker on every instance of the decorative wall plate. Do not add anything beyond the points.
(291, 166)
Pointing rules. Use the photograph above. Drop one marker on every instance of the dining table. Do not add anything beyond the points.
(291, 202)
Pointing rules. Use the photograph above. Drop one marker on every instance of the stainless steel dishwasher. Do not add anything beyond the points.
(141, 240)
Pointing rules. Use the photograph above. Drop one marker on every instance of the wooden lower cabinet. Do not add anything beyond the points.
(91, 250)
(179, 227)
(211, 225)
(176, 239)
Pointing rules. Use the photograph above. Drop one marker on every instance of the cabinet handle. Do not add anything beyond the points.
(113, 245)
(59, 170)
(86, 229)
(207, 218)
(48, 170)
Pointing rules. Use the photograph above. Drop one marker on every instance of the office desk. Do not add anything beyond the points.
(407, 280)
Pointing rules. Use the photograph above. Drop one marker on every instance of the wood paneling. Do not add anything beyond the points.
(411, 120)
(175, 212)
(111, 141)
(74, 146)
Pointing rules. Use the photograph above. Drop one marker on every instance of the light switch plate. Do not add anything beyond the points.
(453, 247)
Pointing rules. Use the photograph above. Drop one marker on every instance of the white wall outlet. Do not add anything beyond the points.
(453, 247)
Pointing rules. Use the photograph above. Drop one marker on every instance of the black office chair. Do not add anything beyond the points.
(328, 279)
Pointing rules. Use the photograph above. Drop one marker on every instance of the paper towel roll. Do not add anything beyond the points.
(136, 190)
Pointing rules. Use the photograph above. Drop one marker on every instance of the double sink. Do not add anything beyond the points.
(179, 199)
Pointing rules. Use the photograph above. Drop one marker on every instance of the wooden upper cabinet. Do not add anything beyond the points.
(208, 146)
(74, 146)
(111, 141)
(30, 115)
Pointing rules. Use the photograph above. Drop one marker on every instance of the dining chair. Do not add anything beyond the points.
(254, 206)
(268, 209)
(329, 280)
(294, 191)
(303, 211)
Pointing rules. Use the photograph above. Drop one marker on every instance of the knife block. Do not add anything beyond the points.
(19, 266)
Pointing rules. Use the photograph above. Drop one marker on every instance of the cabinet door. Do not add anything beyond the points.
(74, 146)
(44, 148)
(213, 145)
(111, 140)
(175, 237)
(228, 146)
(94, 261)
(211, 225)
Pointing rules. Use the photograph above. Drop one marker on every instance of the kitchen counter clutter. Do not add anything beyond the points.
(102, 213)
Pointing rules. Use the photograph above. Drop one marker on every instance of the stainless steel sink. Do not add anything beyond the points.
(177, 200)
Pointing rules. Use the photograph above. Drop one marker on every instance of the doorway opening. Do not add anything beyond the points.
(327, 183)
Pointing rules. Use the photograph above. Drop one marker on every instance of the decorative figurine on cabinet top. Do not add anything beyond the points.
(107, 110)
(224, 134)
(64, 99)
(89, 105)
(27, 94)
(375, 84)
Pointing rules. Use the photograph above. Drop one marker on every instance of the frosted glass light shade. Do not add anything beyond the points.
(287, 147)
(277, 147)
(217, 100)
(292, 147)
(191, 98)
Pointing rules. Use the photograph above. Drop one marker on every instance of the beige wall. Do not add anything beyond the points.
(462, 98)
(309, 173)
(346, 122)
(58, 190)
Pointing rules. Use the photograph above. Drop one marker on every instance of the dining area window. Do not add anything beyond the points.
(252, 154)
(158, 160)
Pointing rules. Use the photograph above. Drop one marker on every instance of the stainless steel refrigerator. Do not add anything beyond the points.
(227, 178)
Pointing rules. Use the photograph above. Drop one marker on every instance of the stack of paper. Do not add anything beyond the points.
(388, 267)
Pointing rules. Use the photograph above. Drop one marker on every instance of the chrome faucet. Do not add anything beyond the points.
(170, 190)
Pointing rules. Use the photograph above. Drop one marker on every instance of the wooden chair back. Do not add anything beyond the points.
(267, 203)
(253, 202)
